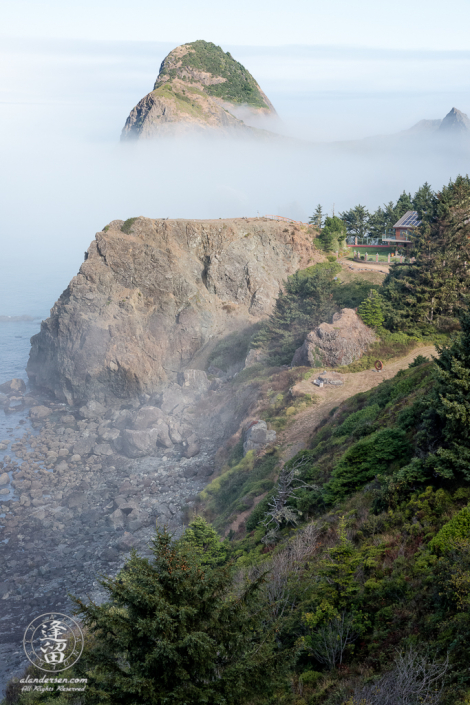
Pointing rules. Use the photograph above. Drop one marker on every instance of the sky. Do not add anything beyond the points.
(70, 72)
(403, 24)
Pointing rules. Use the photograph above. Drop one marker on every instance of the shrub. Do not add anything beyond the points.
(367, 458)
(358, 420)
(419, 360)
(457, 528)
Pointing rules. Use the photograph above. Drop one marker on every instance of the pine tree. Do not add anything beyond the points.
(425, 203)
(173, 632)
(403, 205)
(437, 283)
(371, 310)
(333, 234)
(447, 420)
(317, 217)
(306, 301)
(202, 539)
(356, 221)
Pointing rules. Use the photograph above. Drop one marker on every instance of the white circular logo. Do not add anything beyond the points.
(53, 642)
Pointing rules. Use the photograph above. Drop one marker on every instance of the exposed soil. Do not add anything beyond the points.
(296, 436)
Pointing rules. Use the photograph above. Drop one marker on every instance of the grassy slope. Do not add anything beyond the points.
(239, 86)
(389, 573)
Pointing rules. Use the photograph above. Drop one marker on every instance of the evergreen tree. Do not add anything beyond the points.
(317, 217)
(371, 310)
(425, 203)
(447, 420)
(173, 632)
(333, 234)
(202, 539)
(437, 283)
(356, 221)
(307, 301)
(403, 205)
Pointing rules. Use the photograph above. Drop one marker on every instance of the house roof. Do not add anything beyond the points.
(409, 220)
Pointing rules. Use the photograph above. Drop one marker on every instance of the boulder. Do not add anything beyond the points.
(13, 385)
(258, 436)
(92, 410)
(116, 519)
(163, 436)
(39, 412)
(84, 445)
(147, 416)
(4, 400)
(172, 398)
(340, 342)
(196, 382)
(255, 357)
(4, 479)
(102, 449)
(137, 444)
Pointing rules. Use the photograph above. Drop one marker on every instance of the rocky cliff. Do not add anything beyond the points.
(153, 296)
(200, 88)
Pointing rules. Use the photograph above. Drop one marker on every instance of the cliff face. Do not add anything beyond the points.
(198, 88)
(151, 297)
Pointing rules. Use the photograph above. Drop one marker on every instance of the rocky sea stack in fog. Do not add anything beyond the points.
(201, 89)
(152, 298)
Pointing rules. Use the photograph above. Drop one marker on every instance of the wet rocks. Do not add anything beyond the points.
(13, 386)
(39, 412)
(340, 342)
(258, 436)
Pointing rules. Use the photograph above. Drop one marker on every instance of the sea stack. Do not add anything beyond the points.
(199, 89)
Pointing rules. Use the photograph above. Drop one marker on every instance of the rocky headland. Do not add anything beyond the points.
(199, 89)
(154, 296)
(126, 416)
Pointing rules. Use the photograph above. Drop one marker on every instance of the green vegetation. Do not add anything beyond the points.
(371, 310)
(127, 225)
(239, 86)
(427, 295)
(306, 301)
(333, 234)
(184, 103)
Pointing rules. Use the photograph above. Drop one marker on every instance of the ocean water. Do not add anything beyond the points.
(14, 352)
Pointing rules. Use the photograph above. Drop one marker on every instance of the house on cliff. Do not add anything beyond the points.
(402, 231)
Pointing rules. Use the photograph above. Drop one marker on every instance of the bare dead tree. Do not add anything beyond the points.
(283, 570)
(288, 484)
(329, 642)
(414, 680)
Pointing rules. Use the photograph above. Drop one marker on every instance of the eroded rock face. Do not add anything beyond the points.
(150, 297)
(340, 342)
(258, 436)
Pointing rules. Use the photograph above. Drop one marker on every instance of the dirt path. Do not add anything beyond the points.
(376, 267)
(297, 435)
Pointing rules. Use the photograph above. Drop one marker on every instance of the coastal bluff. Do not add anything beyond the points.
(153, 296)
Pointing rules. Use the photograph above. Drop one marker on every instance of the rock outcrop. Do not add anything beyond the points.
(151, 299)
(258, 436)
(340, 342)
(200, 88)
